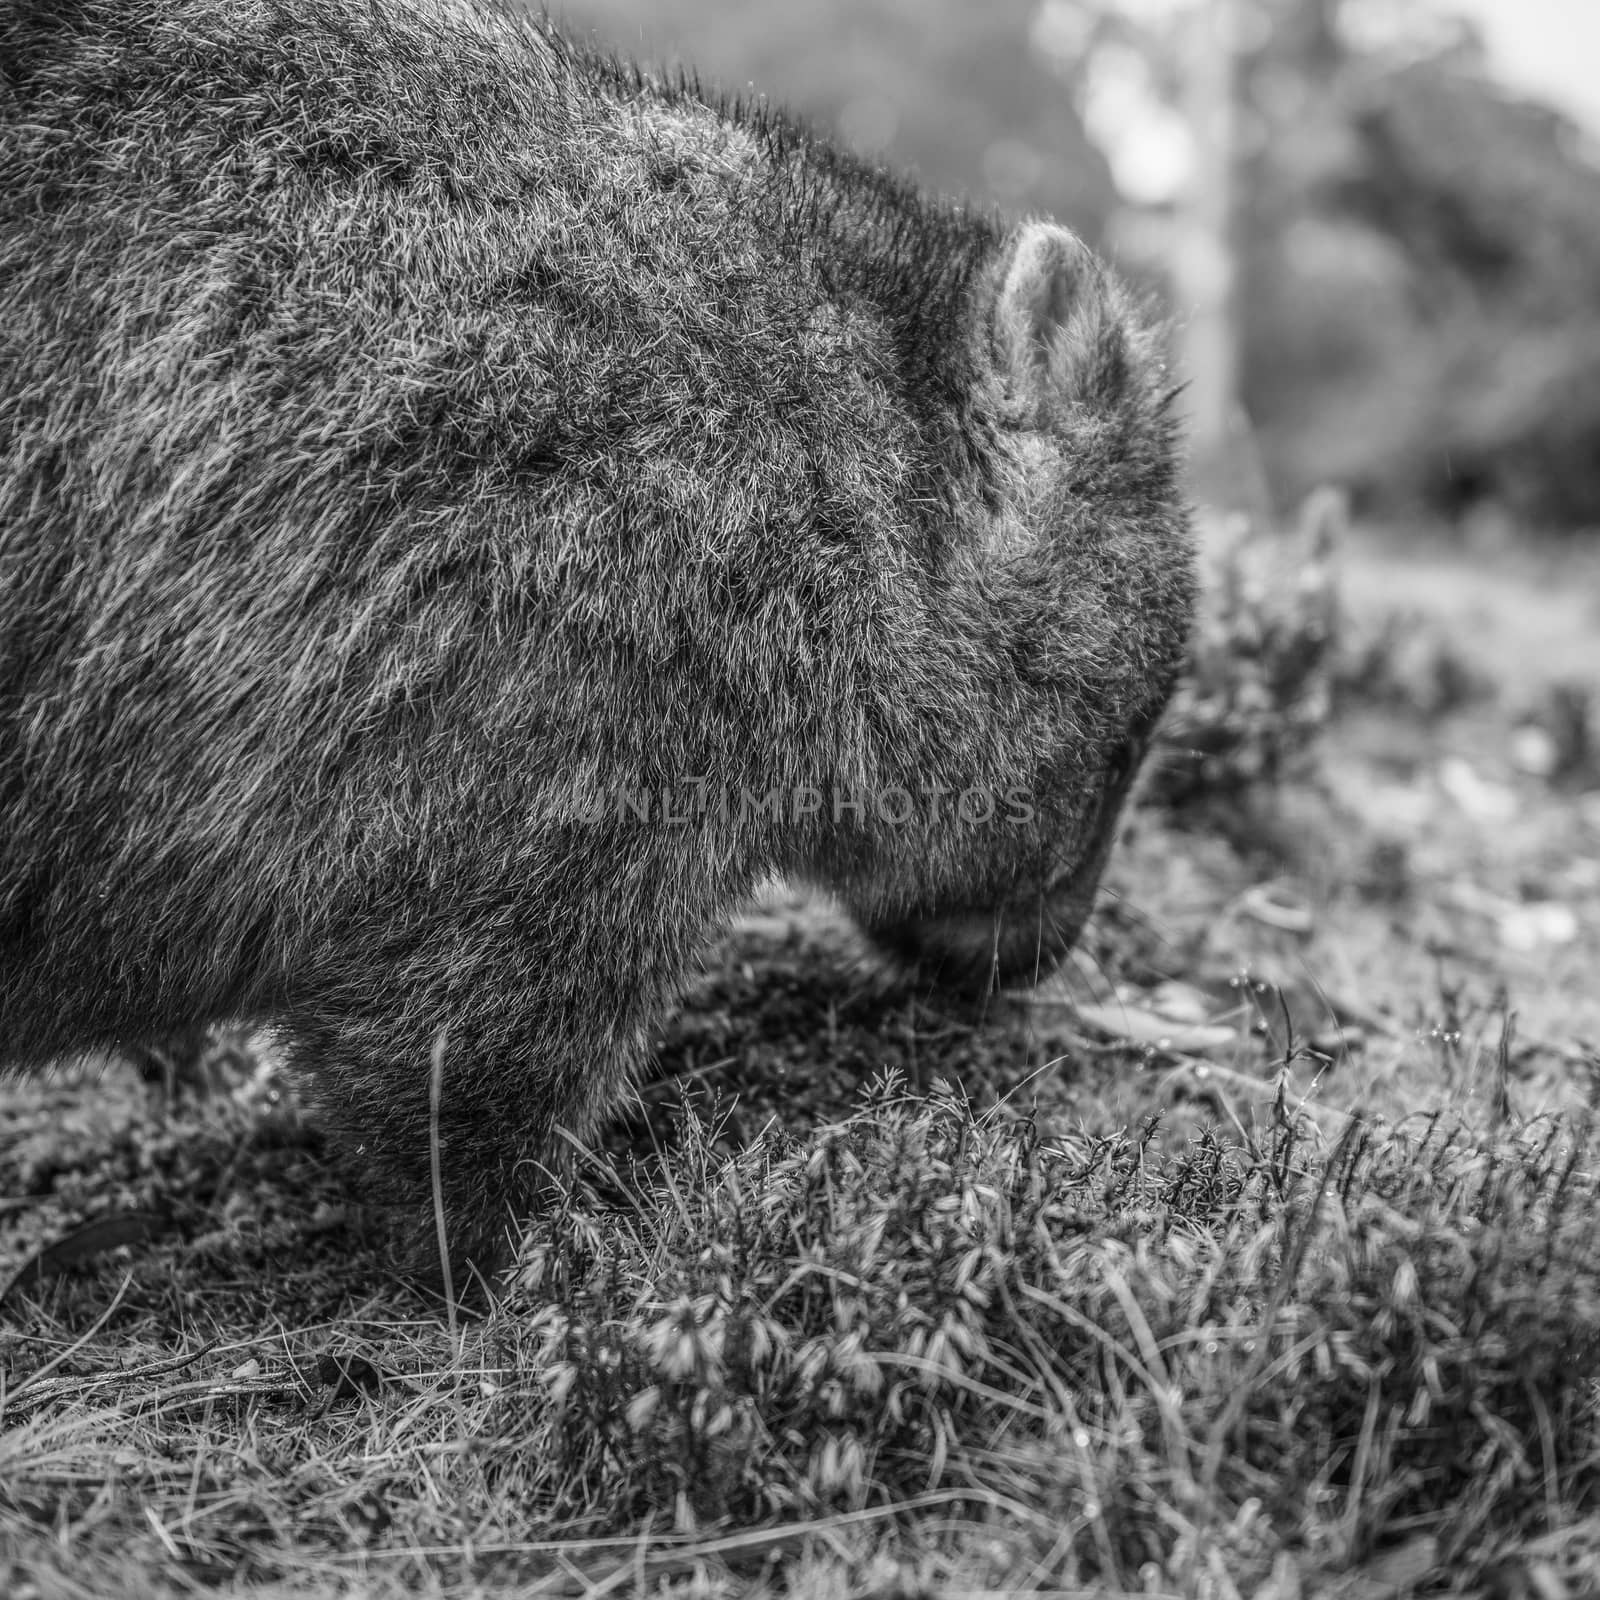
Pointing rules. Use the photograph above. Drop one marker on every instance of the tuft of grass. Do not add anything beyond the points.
(1120, 1365)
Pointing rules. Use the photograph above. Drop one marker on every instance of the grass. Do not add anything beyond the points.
(920, 1349)
(1283, 1283)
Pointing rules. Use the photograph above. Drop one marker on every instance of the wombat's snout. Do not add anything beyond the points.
(1019, 941)
(1027, 934)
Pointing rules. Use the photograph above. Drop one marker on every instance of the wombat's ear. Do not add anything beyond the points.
(1042, 283)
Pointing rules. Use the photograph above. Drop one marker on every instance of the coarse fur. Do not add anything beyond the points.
(446, 476)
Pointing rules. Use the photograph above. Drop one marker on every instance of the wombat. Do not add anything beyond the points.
(470, 510)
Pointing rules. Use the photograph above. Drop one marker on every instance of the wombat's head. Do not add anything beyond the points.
(1084, 572)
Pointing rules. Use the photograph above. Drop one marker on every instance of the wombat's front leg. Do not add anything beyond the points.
(543, 1004)
(508, 1087)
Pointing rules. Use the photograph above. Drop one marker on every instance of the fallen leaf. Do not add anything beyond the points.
(1533, 751)
(1162, 1033)
(1480, 798)
(1532, 927)
(1273, 906)
(1182, 1002)
(95, 1238)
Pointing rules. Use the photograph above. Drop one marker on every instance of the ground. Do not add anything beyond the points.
(221, 1384)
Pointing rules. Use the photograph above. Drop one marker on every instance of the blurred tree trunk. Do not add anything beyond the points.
(1204, 270)
(1308, 35)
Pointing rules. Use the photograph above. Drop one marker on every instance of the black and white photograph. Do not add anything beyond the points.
(800, 799)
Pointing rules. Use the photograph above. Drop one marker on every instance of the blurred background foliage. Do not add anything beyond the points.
(1420, 261)
(1387, 260)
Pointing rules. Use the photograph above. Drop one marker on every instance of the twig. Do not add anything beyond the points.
(76, 1345)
